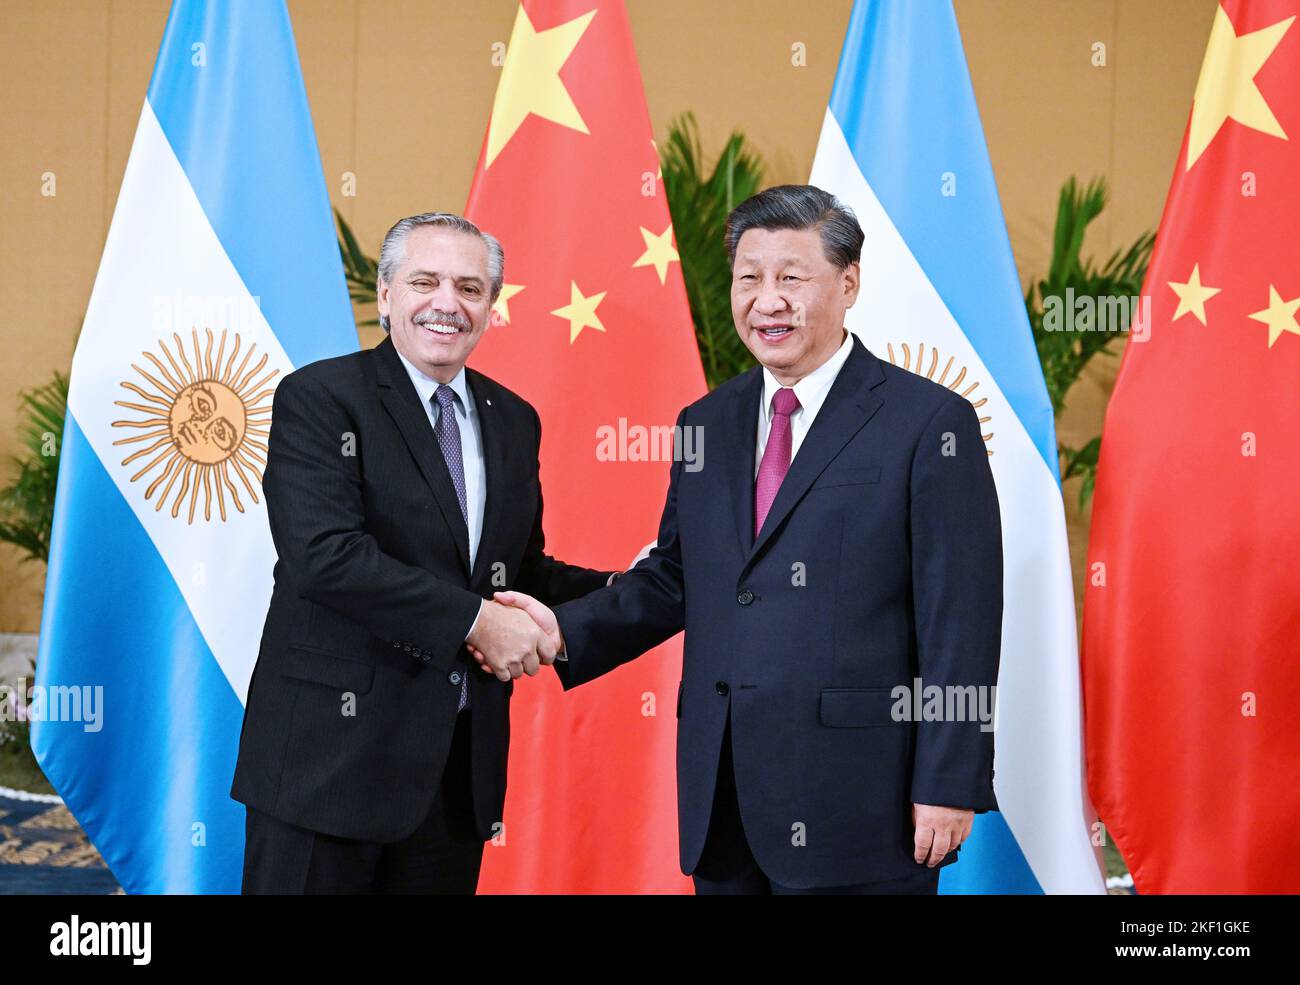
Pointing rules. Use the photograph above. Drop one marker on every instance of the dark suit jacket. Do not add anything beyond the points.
(374, 596)
(880, 561)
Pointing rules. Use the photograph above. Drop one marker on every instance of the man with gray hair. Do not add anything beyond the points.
(401, 489)
(841, 549)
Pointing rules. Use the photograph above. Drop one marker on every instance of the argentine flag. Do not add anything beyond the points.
(902, 145)
(219, 276)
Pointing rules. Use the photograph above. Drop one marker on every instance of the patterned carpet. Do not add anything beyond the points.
(43, 851)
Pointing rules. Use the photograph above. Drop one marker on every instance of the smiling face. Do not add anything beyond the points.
(439, 300)
(788, 301)
(207, 422)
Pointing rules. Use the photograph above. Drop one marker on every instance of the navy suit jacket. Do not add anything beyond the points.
(879, 562)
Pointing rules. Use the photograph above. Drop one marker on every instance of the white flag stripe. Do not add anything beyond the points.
(160, 249)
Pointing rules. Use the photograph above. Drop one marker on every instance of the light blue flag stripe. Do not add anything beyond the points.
(991, 862)
(904, 100)
(241, 127)
(159, 766)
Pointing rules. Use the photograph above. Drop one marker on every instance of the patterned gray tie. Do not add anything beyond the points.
(448, 433)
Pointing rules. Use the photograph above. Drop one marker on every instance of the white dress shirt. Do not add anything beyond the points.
(471, 447)
(811, 392)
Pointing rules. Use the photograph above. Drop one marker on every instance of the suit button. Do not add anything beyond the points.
(397, 644)
(745, 597)
(721, 688)
(454, 677)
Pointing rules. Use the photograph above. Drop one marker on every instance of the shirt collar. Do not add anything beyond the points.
(812, 389)
(426, 386)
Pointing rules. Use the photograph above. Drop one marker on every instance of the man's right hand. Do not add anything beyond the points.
(509, 643)
(539, 615)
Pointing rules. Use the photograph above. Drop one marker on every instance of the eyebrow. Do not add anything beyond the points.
(790, 261)
(433, 273)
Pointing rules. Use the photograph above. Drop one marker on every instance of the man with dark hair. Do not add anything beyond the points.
(401, 488)
(841, 547)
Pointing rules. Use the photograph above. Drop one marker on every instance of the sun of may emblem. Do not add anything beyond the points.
(928, 372)
(206, 424)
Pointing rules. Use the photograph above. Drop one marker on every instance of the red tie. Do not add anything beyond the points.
(776, 455)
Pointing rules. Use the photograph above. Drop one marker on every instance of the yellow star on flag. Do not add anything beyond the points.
(501, 306)
(581, 311)
(1226, 88)
(1279, 316)
(530, 80)
(1192, 296)
(659, 251)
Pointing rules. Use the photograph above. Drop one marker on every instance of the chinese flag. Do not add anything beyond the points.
(1191, 658)
(593, 328)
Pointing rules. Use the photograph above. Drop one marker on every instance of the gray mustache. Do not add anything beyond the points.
(455, 320)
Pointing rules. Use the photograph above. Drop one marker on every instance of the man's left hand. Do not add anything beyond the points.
(939, 830)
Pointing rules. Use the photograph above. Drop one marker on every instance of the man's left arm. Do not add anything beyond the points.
(544, 577)
(956, 547)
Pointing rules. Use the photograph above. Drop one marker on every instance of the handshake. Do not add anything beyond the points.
(515, 635)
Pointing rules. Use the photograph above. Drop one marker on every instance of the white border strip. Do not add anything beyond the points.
(40, 798)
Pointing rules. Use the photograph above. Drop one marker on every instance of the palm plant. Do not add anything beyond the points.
(1065, 354)
(360, 271)
(699, 201)
(27, 503)
(26, 517)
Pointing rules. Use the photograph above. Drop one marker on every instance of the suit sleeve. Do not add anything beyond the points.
(316, 510)
(956, 546)
(542, 576)
(644, 607)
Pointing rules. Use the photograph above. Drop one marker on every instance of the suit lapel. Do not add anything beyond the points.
(403, 405)
(850, 403)
(494, 461)
(738, 455)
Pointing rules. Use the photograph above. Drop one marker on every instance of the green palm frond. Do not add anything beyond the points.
(699, 201)
(361, 272)
(1081, 462)
(1065, 354)
(27, 503)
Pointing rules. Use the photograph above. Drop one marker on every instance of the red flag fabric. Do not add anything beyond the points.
(594, 329)
(1191, 653)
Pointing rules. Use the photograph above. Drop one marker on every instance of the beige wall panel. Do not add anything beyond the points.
(54, 77)
(400, 92)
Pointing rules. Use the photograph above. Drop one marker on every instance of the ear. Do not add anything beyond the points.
(852, 275)
(381, 297)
